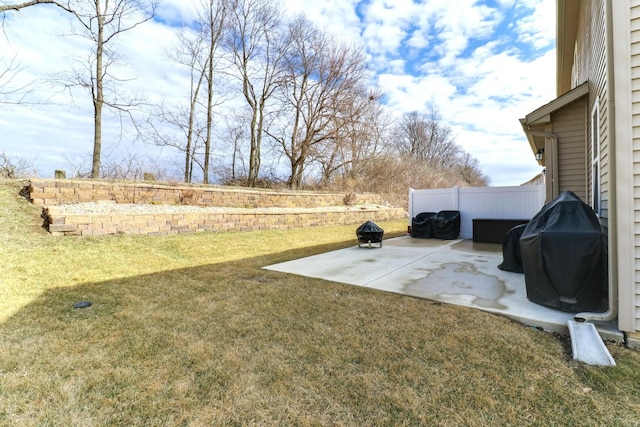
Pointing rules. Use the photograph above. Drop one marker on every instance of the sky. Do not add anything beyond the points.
(483, 64)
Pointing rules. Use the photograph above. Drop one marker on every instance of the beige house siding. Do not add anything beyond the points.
(634, 39)
(569, 127)
(591, 65)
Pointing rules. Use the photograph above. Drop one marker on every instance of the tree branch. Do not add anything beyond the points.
(19, 6)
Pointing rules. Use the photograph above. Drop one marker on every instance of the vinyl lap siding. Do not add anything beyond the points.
(591, 52)
(635, 108)
(569, 127)
(598, 52)
(592, 67)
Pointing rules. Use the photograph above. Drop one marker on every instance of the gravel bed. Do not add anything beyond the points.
(107, 208)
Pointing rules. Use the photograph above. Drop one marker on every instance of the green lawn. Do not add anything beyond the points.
(190, 330)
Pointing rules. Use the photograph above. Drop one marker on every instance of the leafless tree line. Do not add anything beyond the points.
(269, 99)
(14, 168)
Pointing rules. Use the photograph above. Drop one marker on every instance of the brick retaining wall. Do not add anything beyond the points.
(62, 224)
(52, 192)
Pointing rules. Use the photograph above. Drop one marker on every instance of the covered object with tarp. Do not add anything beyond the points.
(446, 225)
(369, 233)
(421, 225)
(511, 255)
(563, 256)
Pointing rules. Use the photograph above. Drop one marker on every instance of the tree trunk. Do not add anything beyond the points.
(207, 142)
(257, 124)
(254, 156)
(98, 96)
(296, 177)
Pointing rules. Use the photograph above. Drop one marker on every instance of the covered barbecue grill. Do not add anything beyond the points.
(563, 256)
(369, 233)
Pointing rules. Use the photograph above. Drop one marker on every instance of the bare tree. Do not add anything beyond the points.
(17, 167)
(469, 171)
(236, 136)
(253, 39)
(131, 166)
(187, 52)
(19, 6)
(12, 67)
(100, 23)
(10, 94)
(212, 19)
(426, 140)
(358, 137)
(321, 76)
(196, 49)
(425, 137)
(180, 127)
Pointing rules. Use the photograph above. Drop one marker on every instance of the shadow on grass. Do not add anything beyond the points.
(232, 343)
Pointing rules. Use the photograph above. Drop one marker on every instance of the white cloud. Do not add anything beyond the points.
(337, 17)
(481, 95)
(405, 93)
(382, 39)
(537, 28)
(460, 22)
(175, 12)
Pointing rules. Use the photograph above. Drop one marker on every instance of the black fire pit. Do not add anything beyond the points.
(369, 233)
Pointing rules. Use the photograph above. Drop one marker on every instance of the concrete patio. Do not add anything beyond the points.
(459, 272)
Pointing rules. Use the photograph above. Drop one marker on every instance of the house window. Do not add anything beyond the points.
(595, 158)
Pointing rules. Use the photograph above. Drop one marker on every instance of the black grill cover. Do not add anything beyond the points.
(511, 256)
(563, 256)
(369, 232)
(446, 225)
(421, 225)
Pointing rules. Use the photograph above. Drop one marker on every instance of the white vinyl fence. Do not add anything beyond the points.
(521, 202)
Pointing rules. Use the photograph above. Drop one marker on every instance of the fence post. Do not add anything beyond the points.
(456, 198)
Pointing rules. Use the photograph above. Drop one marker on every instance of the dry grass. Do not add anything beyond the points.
(190, 330)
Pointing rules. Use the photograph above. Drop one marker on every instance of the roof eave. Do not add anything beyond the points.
(543, 114)
(535, 122)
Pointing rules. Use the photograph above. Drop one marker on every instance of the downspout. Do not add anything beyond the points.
(554, 160)
(612, 311)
